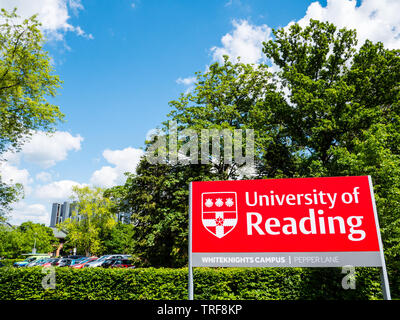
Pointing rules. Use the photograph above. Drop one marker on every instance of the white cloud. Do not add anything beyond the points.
(75, 6)
(186, 81)
(10, 174)
(11, 157)
(53, 14)
(105, 177)
(46, 150)
(29, 212)
(125, 160)
(376, 20)
(245, 41)
(57, 190)
(43, 176)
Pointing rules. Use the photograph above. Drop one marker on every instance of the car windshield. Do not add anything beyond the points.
(103, 258)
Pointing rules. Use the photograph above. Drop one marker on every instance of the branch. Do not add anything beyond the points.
(8, 87)
(13, 53)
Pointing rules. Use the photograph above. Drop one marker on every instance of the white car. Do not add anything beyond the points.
(99, 261)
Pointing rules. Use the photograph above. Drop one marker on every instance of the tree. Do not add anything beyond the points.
(342, 113)
(9, 241)
(15, 241)
(8, 195)
(26, 81)
(92, 218)
(121, 239)
(156, 196)
(225, 98)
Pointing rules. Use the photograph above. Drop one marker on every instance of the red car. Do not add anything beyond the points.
(82, 264)
(50, 262)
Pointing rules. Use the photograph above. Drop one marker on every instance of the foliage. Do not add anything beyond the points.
(26, 82)
(210, 284)
(15, 241)
(342, 113)
(8, 194)
(92, 218)
(156, 196)
(224, 98)
(121, 239)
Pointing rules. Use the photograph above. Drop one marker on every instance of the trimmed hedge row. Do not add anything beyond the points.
(210, 284)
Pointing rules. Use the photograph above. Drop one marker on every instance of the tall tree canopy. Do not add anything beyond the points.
(92, 219)
(26, 82)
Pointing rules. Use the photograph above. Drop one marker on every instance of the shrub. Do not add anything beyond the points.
(171, 284)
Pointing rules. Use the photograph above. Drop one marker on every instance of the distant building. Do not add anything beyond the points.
(62, 211)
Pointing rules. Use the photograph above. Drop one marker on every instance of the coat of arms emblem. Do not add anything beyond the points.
(219, 212)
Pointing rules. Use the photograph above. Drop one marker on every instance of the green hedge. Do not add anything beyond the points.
(213, 284)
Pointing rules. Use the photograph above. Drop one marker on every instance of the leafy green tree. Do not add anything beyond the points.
(36, 235)
(26, 81)
(225, 98)
(121, 239)
(9, 241)
(92, 218)
(15, 241)
(157, 198)
(8, 194)
(341, 113)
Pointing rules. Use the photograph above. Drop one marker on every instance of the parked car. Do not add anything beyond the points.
(50, 262)
(99, 261)
(116, 263)
(29, 259)
(38, 262)
(82, 263)
(77, 260)
(64, 262)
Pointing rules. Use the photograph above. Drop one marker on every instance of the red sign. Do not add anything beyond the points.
(284, 215)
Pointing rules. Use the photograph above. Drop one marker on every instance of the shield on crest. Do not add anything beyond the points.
(219, 212)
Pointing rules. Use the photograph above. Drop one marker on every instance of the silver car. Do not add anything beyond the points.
(99, 261)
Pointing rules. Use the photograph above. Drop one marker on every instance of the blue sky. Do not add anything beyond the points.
(122, 62)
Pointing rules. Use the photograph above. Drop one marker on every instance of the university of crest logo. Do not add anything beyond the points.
(219, 212)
